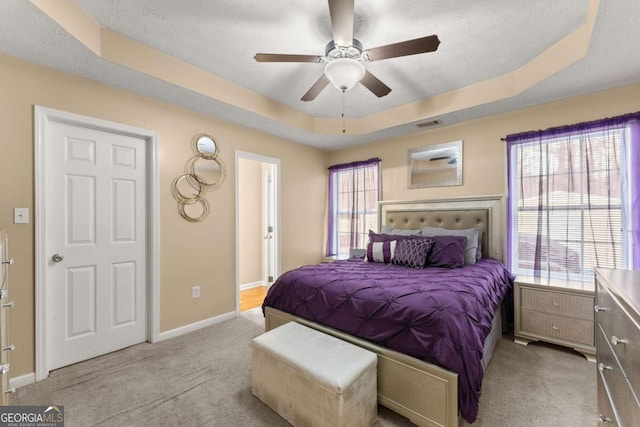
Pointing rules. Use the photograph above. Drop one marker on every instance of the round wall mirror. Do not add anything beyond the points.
(211, 173)
(205, 146)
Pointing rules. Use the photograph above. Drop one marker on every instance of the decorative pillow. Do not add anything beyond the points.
(400, 231)
(447, 252)
(412, 252)
(380, 237)
(381, 251)
(471, 247)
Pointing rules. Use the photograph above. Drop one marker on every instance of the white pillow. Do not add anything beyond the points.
(400, 231)
(470, 248)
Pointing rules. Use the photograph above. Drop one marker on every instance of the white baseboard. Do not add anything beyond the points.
(252, 285)
(22, 380)
(195, 326)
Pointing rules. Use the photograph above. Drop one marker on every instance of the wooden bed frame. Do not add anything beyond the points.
(424, 393)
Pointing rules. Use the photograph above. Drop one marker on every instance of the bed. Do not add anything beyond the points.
(405, 311)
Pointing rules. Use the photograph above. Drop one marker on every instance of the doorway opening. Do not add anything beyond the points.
(257, 227)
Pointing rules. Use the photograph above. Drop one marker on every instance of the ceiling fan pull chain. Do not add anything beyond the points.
(344, 127)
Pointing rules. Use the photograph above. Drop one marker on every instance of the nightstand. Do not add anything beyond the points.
(555, 311)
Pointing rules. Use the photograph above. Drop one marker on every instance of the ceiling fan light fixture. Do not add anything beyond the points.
(344, 73)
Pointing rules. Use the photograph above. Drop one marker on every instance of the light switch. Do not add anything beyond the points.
(21, 215)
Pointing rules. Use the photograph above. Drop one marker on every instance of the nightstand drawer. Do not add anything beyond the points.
(558, 303)
(580, 331)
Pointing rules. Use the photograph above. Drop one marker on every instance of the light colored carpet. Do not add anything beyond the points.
(204, 379)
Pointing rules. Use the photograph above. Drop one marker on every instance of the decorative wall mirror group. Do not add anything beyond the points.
(203, 172)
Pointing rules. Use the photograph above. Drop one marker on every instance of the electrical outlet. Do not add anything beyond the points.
(195, 292)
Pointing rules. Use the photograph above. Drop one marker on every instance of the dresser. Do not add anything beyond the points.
(555, 311)
(5, 305)
(618, 344)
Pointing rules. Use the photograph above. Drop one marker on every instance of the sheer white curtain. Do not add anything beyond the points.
(573, 197)
(354, 191)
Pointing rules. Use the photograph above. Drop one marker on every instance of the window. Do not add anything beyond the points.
(573, 199)
(354, 190)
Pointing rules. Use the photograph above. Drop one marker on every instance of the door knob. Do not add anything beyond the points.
(57, 258)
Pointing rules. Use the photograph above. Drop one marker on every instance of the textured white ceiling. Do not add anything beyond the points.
(480, 40)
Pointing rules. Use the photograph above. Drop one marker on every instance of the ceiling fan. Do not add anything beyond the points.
(344, 55)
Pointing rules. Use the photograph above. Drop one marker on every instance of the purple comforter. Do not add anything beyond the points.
(438, 315)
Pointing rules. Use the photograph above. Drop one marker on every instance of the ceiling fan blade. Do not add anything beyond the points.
(280, 57)
(341, 12)
(409, 47)
(315, 90)
(374, 84)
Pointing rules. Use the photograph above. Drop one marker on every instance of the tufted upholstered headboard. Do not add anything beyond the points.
(484, 213)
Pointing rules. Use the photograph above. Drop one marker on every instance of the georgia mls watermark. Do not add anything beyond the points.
(31, 416)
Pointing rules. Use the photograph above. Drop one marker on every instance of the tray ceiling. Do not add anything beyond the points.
(494, 57)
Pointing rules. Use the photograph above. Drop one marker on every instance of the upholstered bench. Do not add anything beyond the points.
(312, 379)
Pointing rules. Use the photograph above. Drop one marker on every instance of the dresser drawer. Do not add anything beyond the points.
(626, 404)
(576, 306)
(624, 340)
(580, 331)
(606, 414)
(606, 308)
(4, 356)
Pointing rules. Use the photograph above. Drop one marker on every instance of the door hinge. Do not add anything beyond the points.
(270, 279)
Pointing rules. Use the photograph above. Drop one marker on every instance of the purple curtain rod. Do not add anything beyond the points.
(355, 164)
(569, 128)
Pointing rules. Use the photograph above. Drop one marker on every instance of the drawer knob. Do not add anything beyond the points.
(602, 367)
(597, 308)
(555, 304)
(604, 419)
(555, 327)
(615, 340)
(10, 391)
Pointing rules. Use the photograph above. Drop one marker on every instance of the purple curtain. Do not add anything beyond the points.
(634, 203)
(353, 189)
(571, 190)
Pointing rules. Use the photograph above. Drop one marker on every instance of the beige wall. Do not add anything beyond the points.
(190, 254)
(250, 215)
(204, 253)
(484, 153)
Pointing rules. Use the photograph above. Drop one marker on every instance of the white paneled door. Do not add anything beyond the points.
(95, 207)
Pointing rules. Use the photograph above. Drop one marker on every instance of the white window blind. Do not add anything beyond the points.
(569, 210)
(353, 203)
